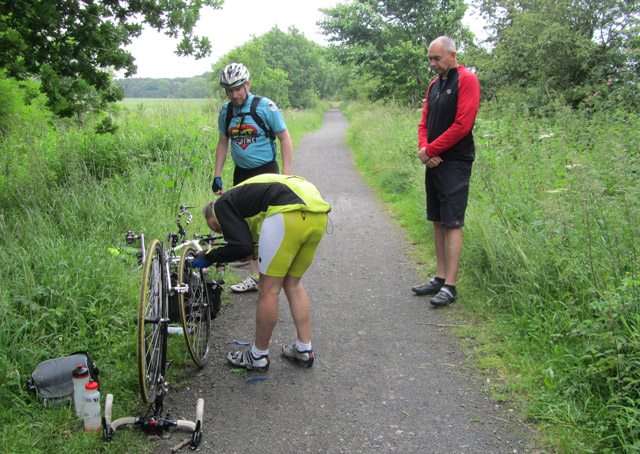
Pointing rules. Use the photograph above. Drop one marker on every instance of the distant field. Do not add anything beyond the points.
(153, 102)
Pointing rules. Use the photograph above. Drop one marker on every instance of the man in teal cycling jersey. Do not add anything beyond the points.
(253, 146)
(286, 217)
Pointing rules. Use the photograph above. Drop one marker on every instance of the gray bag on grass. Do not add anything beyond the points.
(52, 382)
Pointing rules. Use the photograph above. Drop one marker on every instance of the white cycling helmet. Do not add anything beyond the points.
(234, 75)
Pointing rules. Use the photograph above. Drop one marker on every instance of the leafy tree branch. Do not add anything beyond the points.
(73, 46)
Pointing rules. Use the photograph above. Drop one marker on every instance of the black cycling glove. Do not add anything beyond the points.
(217, 184)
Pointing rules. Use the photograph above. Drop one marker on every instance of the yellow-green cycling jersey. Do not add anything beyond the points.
(241, 210)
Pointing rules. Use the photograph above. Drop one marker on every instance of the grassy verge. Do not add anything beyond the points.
(551, 259)
(67, 196)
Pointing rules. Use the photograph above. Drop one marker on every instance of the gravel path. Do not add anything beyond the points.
(387, 378)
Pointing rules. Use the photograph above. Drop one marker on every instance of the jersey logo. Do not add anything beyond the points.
(243, 135)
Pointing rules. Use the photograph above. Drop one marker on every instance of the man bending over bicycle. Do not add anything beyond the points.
(287, 217)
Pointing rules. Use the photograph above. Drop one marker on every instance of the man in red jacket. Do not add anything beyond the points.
(445, 144)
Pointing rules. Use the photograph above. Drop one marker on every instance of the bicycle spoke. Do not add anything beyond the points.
(194, 309)
(151, 338)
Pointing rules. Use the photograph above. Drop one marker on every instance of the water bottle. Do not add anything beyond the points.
(175, 330)
(92, 422)
(80, 376)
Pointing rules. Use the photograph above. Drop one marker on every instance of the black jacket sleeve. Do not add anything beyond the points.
(236, 233)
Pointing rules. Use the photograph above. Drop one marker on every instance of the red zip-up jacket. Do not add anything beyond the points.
(448, 116)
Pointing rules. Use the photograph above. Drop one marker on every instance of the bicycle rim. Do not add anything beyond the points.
(194, 308)
(151, 340)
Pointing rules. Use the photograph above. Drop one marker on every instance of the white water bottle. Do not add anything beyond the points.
(80, 376)
(175, 330)
(91, 410)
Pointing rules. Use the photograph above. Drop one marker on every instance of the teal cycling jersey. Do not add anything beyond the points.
(250, 145)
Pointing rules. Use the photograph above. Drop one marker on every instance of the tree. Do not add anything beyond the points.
(196, 87)
(387, 41)
(303, 62)
(72, 46)
(286, 67)
(560, 48)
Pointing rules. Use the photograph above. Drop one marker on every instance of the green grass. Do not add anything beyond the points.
(67, 196)
(550, 264)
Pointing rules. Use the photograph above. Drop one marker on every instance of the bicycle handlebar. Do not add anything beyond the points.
(185, 210)
(153, 425)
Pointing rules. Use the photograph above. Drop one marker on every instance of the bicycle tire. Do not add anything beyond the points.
(152, 330)
(194, 308)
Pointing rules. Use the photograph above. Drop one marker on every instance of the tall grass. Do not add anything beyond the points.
(551, 260)
(67, 196)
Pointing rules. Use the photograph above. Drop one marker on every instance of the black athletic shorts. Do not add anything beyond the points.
(240, 174)
(447, 187)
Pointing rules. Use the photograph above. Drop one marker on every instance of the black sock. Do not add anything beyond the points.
(439, 280)
(451, 288)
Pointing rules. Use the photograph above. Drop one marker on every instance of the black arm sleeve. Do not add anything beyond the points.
(236, 233)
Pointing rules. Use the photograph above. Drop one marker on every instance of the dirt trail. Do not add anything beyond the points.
(387, 378)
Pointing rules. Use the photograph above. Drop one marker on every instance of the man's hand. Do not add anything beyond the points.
(217, 186)
(422, 154)
(433, 162)
(430, 162)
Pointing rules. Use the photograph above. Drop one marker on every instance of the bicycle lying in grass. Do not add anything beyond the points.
(172, 292)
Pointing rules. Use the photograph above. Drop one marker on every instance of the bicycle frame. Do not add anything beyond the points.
(171, 256)
(130, 237)
(171, 260)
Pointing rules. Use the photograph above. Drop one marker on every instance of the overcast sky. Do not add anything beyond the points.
(227, 28)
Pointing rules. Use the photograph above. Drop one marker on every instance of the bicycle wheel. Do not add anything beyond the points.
(194, 308)
(152, 330)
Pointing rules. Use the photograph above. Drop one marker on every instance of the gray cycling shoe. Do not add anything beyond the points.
(244, 358)
(250, 284)
(305, 359)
